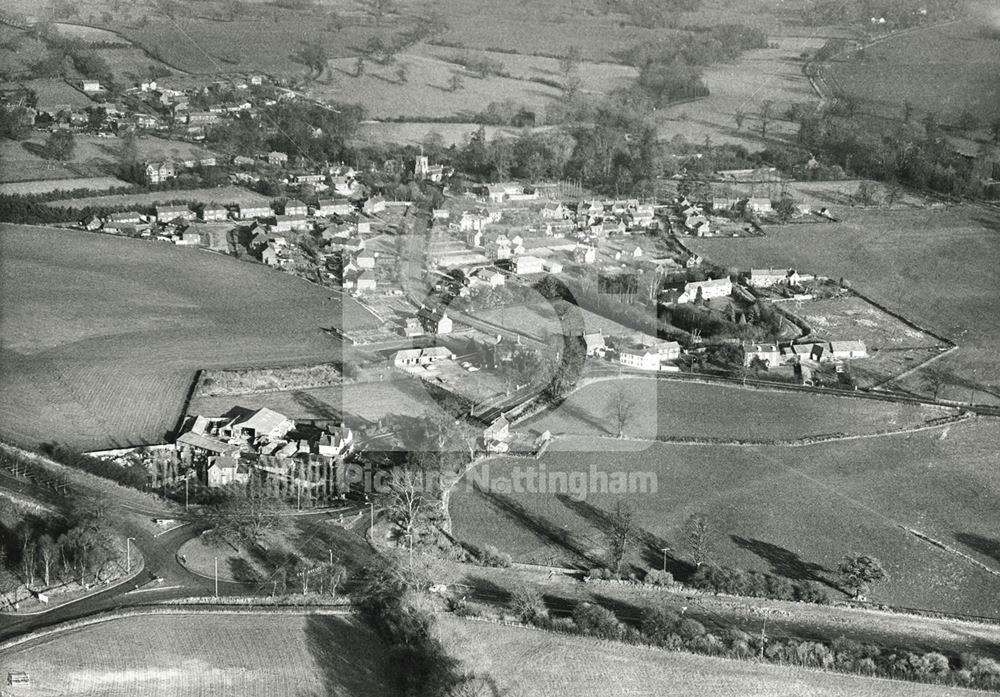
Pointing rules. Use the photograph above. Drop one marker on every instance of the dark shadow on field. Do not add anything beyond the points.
(243, 572)
(36, 149)
(484, 589)
(984, 545)
(349, 659)
(318, 536)
(650, 546)
(544, 529)
(580, 414)
(316, 407)
(785, 562)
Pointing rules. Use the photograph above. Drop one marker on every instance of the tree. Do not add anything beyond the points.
(739, 117)
(995, 130)
(934, 378)
(406, 500)
(620, 408)
(29, 556)
(60, 145)
(48, 551)
(245, 513)
(860, 573)
(766, 110)
(314, 55)
(907, 111)
(402, 73)
(570, 62)
(528, 605)
(621, 533)
(359, 66)
(785, 208)
(455, 83)
(696, 530)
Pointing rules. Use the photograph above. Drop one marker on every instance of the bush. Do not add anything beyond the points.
(528, 605)
(656, 577)
(597, 621)
(658, 624)
(600, 574)
(689, 629)
(810, 592)
(491, 556)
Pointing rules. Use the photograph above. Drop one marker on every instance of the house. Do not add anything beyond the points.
(224, 470)
(374, 205)
(759, 205)
(335, 441)
(408, 358)
(719, 288)
(555, 211)
(365, 260)
(472, 221)
(308, 178)
(288, 223)
(644, 215)
(412, 327)
(91, 223)
(698, 225)
(279, 159)
(641, 358)
(90, 85)
(214, 212)
(637, 252)
(498, 430)
(499, 248)
(804, 353)
(595, 344)
(435, 320)
(724, 204)
(334, 206)
(768, 353)
(295, 207)
(490, 277)
(124, 218)
(528, 264)
(165, 214)
(365, 281)
(474, 238)
(585, 254)
(252, 210)
(159, 172)
(269, 255)
(190, 239)
(668, 350)
(845, 350)
(552, 266)
(202, 118)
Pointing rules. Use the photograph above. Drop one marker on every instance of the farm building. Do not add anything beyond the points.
(527, 265)
(718, 288)
(641, 358)
(765, 278)
(844, 350)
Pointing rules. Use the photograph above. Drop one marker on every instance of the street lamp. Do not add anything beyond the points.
(665, 550)
(371, 504)
(128, 554)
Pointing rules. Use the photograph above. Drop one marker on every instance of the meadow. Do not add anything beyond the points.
(936, 267)
(44, 186)
(928, 69)
(688, 410)
(223, 194)
(101, 336)
(530, 663)
(177, 654)
(541, 320)
(794, 511)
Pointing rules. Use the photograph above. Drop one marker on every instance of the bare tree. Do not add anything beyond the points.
(934, 378)
(29, 558)
(245, 514)
(696, 529)
(47, 553)
(739, 117)
(455, 83)
(766, 110)
(621, 407)
(621, 533)
(406, 500)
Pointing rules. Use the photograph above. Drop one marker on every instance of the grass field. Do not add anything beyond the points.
(416, 132)
(101, 336)
(80, 32)
(541, 319)
(529, 662)
(793, 511)
(222, 194)
(56, 91)
(272, 655)
(928, 69)
(42, 186)
(685, 410)
(936, 267)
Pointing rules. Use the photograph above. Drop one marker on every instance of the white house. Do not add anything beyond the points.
(585, 254)
(644, 359)
(765, 278)
(844, 350)
(528, 264)
(759, 205)
(768, 353)
(490, 277)
(718, 288)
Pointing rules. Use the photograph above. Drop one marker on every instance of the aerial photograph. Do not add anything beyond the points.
(510, 348)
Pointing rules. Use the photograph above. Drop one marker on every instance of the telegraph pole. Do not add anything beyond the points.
(216, 577)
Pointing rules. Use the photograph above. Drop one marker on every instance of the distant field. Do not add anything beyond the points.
(794, 511)
(89, 34)
(533, 663)
(541, 320)
(56, 91)
(665, 408)
(416, 132)
(223, 194)
(237, 655)
(935, 267)
(46, 185)
(946, 69)
(101, 351)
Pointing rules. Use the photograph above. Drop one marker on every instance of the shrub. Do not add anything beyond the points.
(688, 628)
(597, 621)
(658, 623)
(491, 556)
(528, 605)
(600, 574)
(656, 577)
(810, 592)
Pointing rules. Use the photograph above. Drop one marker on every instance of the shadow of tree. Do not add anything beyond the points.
(317, 408)
(785, 562)
(543, 528)
(984, 545)
(486, 589)
(242, 571)
(350, 659)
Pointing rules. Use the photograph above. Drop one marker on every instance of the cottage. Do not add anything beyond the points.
(214, 212)
(278, 159)
(335, 441)
(498, 430)
(555, 211)
(595, 344)
(768, 353)
(641, 358)
(374, 205)
(490, 277)
(435, 320)
(159, 172)
(166, 214)
(365, 260)
(718, 288)
(295, 207)
(224, 470)
(412, 327)
(91, 223)
(765, 278)
(365, 281)
(407, 358)
(269, 255)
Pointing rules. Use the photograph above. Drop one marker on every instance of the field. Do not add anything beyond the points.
(222, 194)
(936, 267)
(947, 69)
(795, 511)
(416, 132)
(540, 319)
(669, 409)
(56, 91)
(42, 186)
(80, 32)
(529, 662)
(272, 655)
(101, 336)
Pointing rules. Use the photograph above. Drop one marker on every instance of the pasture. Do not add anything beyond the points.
(935, 267)
(54, 91)
(222, 194)
(100, 351)
(530, 663)
(926, 68)
(44, 186)
(687, 410)
(794, 511)
(201, 653)
(417, 132)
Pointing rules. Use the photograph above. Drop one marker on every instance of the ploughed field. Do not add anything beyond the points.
(529, 662)
(100, 337)
(206, 654)
(795, 511)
